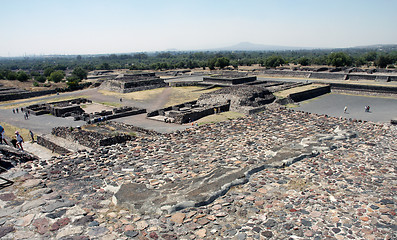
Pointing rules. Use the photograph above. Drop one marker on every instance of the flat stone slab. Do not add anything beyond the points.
(202, 190)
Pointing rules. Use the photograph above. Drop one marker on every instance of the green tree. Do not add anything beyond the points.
(211, 63)
(40, 78)
(48, 71)
(383, 60)
(339, 59)
(56, 76)
(222, 62)
(304, 61)
(274, 61)
(80, 73)
(12, 75)
(370, 56)
(22, 76)
(104, 66)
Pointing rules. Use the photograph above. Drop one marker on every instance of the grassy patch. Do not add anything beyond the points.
(224, 116)
(111, 104)
(10, 131)
(186, 94)
(291, 105)
(286, 93)
(137, 96)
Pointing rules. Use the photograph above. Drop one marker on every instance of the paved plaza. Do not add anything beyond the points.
(382, 109)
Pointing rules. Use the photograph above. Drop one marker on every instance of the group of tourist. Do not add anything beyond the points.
(26, 114)
(17, 140)
(366, 109)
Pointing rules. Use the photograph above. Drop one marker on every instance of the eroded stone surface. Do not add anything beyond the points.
(324, 183)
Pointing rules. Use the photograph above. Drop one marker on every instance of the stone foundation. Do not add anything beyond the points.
(126, 83)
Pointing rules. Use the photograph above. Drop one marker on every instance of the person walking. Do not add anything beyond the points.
(19, 140)
(2, 136)
(345, 109)
(31, 135)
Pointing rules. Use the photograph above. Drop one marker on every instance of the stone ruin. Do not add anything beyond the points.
(229, 79)
(187, 112)
(241, 98)
(104, 115)
(60, 108)
(96, 135)
(72, 108)
(125, 83)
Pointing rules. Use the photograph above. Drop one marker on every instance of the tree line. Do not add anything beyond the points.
(54, 69)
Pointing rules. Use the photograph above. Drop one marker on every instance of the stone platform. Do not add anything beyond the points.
(345, 189)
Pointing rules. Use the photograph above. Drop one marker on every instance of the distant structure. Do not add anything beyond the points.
(229, 79)
(125, 83)
(72, 108)
(59, 109)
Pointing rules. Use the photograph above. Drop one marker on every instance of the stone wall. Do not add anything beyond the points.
(196, 114)
(109, 115)
(132, 83)
(361, 77)
(186, 84)
(278, 73)
(91, 139)
(311, 93)
(51, 145)
(325, 75)
(365, 88)
(22, 95)
(238, 97)
(175, 107)
(229, 80)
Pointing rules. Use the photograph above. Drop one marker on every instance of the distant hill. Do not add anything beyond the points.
(388, 47)
(247, 46)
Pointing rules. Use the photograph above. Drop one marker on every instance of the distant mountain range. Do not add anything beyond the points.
(247, 46)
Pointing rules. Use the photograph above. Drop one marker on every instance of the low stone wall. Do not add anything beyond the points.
(278, 73)
(109, 115)
(175, 107)
(229, 80)
(361, 77)
(186, 84)
(365, 88)
(22, 95)
(51, 145)
(196, 114)
(311, 93)
(89, 139)
(324, 75)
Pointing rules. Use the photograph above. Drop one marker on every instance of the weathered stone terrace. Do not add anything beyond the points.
(346, 191)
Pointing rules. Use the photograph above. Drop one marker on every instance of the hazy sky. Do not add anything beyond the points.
(121, 26)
